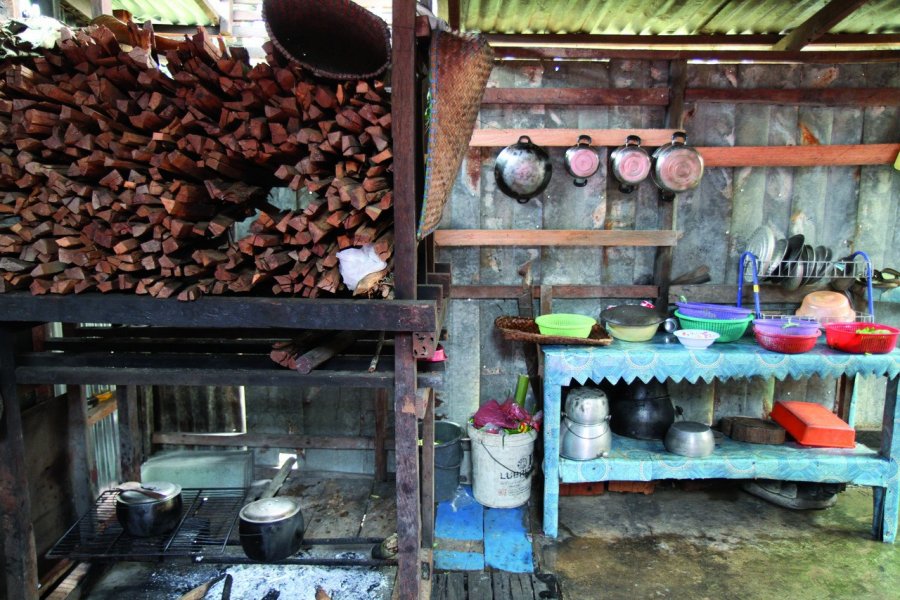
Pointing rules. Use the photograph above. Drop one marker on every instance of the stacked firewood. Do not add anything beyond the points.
(117, 176)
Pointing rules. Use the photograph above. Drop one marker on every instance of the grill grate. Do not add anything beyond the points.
(207, 521)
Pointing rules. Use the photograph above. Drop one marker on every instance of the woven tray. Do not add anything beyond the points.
(521, 329)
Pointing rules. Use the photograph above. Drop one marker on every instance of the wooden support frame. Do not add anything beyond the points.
(553, 237)
(813, 28)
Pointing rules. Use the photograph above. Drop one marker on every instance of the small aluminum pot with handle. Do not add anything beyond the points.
(522, 170)
(587, 406)
(148, 509)
(630, 164)
(271, 529)
(582, 160)
(677, 167)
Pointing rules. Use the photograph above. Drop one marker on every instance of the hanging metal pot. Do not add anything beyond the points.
(677, 167)
(630, 164)
(582, 160)
(522, 170)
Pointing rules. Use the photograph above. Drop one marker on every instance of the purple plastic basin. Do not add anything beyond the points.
(699, 310)
(787, 325)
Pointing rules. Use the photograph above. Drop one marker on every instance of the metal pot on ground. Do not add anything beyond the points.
(641, 410)
(271, 529)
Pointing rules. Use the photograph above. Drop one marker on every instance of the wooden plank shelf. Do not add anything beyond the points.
(553, 237)
(498, 138)
(224, 312)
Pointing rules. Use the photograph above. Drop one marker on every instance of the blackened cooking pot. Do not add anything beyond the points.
(522, 170)
(641, 410)
(271, 529)
(148, 509)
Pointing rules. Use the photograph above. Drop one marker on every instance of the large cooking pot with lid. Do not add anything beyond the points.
(148, 509)
(677, 167)
(582, 160)
(522, 170)
(630, 164)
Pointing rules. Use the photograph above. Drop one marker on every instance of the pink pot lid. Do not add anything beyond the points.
(584, 162)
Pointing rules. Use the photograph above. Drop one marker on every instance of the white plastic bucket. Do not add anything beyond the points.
(501, 467)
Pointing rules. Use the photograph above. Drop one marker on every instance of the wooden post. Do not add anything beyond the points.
(82, 470)
(428, 471)
(101, 7)
(381, 406)
(129, 432)
(19, 554)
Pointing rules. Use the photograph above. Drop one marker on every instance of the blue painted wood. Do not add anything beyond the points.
(454, 560)
(646, 461)
(461, 518)
(506, 543)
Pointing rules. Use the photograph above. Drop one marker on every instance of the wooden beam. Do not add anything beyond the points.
(563, 138)
(799, 156)
(209, 10)
(533, 238)
(807, 97)
(827, 17)
(578, 96)
(492, 292)
(726, 56)
(266, 440)
(101, 7)
(453, 14)
(403, 110)
(710, 42)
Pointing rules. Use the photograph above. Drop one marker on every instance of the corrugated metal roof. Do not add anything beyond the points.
(663, 17)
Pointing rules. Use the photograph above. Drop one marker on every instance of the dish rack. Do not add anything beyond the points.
(847, 268)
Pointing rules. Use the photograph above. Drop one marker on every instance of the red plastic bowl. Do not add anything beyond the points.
(844, 337)
(785, 343)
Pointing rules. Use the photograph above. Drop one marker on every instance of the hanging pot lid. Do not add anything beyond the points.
(631, 315)
(630, 163)
(269, 510)
(148, 492)
(582, 160)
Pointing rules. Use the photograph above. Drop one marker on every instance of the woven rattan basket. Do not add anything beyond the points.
(336, 39)
(460, 67)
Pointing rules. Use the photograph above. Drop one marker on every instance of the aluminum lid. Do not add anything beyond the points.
(147, 492)
(269, 510)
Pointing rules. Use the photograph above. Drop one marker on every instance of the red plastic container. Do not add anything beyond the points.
(812, 424)
(783, 342)
(843, 336)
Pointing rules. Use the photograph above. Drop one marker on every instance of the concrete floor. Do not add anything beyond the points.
(718, 542)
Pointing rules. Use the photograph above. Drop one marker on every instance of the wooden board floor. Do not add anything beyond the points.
(499, 585)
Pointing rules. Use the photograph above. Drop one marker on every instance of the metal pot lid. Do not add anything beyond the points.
(631, 315)
(270, 510)
(690, 427)
(148, 492)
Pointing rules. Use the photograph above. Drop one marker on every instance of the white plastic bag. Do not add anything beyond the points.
(356, 263)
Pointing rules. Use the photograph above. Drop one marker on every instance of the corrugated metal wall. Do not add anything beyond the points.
(842, 207)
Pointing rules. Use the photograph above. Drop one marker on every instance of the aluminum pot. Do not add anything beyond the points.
(630, 164)
(271, 529)
(690, 438)
(677, 167)
(522, 170)
(582, 160)
(587, 406)
(148, 509)
(584, 442)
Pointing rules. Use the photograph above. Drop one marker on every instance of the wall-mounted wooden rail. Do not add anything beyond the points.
(821, 155)
(553, 237)
(659, 96)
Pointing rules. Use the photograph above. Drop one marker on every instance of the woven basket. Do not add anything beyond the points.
(522, 329)
(460, 67)
(336, 39)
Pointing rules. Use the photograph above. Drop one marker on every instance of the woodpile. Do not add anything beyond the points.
(115, 175)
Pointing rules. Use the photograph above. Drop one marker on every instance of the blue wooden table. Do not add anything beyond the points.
(639, 460)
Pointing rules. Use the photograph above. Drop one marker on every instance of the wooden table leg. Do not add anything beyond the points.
(887, 499)
(82, 467)
(552, 400)
(19, 554)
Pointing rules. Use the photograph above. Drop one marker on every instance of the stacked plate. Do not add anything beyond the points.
(790, 262)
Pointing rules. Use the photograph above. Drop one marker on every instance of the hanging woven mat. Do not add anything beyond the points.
(522, 329)
(460, 67)
(336, 39)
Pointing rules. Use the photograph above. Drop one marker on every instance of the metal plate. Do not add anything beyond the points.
(781, 248)
(797, 268)
(762, 243)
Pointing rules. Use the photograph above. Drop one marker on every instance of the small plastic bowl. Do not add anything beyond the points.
(565, 325)
(696, 339)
